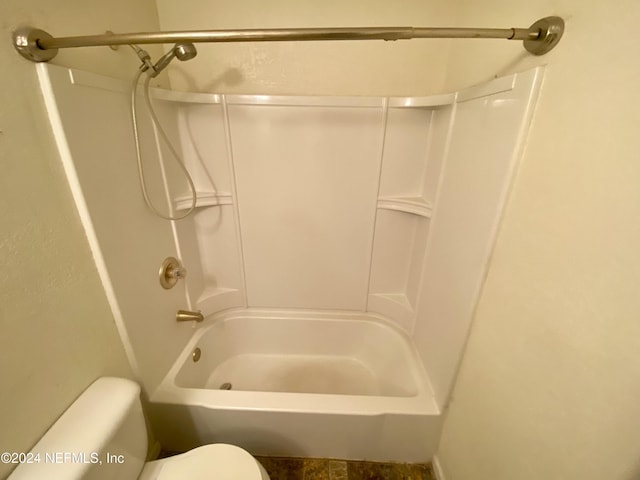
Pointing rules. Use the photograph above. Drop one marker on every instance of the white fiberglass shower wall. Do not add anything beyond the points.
(378, 211)
(315, 201)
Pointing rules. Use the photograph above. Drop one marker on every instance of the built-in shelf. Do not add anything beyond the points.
(414, 205)
(203, 199)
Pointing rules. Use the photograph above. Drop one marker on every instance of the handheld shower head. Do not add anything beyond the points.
(185, 51)
(181, 51)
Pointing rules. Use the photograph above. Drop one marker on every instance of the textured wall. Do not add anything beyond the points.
(329, 68)
(549, 385)
(57, 332)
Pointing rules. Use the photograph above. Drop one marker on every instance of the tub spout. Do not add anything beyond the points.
(187, 316)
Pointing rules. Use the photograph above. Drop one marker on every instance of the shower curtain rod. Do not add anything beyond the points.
(39, 46)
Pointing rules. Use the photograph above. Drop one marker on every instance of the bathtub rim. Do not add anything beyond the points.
(423, 402)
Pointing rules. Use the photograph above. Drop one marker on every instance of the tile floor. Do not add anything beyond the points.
(326, 469)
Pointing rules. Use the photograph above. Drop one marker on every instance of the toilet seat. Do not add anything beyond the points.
(219, 461)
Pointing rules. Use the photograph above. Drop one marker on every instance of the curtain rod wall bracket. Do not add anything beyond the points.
(551, 30)
(39, 46)
(25, 41)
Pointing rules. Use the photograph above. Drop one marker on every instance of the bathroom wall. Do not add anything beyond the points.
(403, 67)
(549, 383)
(58, 332)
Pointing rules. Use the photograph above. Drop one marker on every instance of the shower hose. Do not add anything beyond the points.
(165, 138)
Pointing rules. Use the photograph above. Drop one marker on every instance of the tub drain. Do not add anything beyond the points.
(225, 386)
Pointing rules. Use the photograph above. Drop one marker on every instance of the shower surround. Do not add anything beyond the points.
(337, 251)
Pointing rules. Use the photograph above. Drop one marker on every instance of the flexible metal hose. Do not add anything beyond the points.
(163, 135)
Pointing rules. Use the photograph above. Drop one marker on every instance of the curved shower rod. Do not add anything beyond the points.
(39, 46)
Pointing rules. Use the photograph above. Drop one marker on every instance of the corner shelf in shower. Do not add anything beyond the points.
(203, 199)
(415, 205)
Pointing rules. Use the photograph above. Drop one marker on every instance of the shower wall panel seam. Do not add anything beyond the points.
(385, 111)
(234, 188)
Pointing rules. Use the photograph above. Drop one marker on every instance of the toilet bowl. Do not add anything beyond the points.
(103, 436)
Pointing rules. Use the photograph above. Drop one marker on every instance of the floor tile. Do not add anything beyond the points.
(316, 469)
(374, 471)
(283, 468)
(418, 471)
(338, 470)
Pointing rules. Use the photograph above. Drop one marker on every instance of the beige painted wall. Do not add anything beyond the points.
(327, 68)
(550, 383)
(57, 331)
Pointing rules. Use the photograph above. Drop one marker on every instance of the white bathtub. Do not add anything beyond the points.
(303, 384)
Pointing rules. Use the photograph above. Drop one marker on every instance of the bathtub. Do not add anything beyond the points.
(312, 384)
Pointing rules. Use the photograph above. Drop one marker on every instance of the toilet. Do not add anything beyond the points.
(103, 436)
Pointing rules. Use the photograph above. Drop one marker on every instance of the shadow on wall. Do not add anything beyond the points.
(519, 61)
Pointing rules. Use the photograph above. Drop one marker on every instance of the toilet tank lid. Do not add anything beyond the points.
(94, 416)
(90, 421)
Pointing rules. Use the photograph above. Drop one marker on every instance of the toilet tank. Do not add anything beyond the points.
(101, 436)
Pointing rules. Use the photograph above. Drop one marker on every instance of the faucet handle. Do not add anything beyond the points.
(170, 272)
(177, 273)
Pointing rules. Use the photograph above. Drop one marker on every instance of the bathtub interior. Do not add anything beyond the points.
(342, 354)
